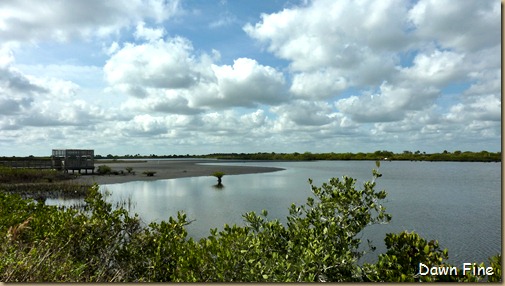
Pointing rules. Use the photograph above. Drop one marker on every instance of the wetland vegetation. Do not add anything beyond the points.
(321, 241)
(40, 184)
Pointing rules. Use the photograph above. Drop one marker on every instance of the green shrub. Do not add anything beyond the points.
(103, 170)
(149, 173)
(219, 176)
(26, 175)
(320, 242)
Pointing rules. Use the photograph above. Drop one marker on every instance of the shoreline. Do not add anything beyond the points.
(168, 169)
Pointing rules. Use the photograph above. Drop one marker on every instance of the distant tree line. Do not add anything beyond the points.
(459, 156)
(467, 156)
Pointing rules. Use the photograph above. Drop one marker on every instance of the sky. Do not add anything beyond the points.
(198, 77)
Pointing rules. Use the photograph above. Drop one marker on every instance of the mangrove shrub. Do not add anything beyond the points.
(321, 241)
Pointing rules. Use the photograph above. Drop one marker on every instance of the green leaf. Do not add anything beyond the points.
(426, 249)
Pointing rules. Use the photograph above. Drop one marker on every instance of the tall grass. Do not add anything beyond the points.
(40, 183)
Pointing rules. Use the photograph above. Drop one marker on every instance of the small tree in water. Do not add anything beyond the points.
(218, 175)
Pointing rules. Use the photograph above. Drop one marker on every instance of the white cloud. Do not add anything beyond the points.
(306, 113)
(162, 101)
(482, 108)
(468, 26)
(332, 33)
(248, 84)
(318, 85)
(37, 101)
(24, 20)
(17, 91)
(389, 104)
(146, 124)
(159, 64)
(439, 68)
(256, 119)
(225, 19)
(352, 76)
(148, 34)
(6, 56)
(170, 70)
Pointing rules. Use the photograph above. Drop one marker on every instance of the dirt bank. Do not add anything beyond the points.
(167, 169)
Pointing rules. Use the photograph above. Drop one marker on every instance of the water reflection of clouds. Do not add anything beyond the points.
(431, 198)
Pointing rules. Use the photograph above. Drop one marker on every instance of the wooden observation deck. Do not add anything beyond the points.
(73, 159)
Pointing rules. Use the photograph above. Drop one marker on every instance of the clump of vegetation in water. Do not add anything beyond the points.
(321, 241)
(219, 176)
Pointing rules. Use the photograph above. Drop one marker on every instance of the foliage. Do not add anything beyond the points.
(40, 183)
(129, 169)
(483, 156)
(460, 156)
(103, 169)
(47, 190)
(496, 262)
(405, 252)
(10, 175)
(401, 261)
(218, 174)
(319, 242)
(149, 173)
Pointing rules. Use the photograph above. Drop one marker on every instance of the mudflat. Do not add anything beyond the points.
(167, 169)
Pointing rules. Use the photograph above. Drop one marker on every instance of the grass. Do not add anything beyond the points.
(40, 183)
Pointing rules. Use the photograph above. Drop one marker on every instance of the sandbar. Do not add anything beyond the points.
(167, 169)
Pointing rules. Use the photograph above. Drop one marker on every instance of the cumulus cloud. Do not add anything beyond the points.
(16, 90)
(387, 72)
(10, 106)
(64, 20)
(171, 72)
(306, 112)
(389, 104)
(468, 26)
(321, 84)
(337, 48)
(438, 68)
(146, 124)
(328, 32)
(28, 100)
(158, 64)
(483, 108)
(248, 83)
(162, 101)
(148, 34)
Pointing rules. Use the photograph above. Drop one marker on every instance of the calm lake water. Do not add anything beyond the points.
(458, 204)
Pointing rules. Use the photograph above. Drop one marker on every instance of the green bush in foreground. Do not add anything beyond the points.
(40, 243)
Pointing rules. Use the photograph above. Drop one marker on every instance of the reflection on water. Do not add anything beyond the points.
(459, 204)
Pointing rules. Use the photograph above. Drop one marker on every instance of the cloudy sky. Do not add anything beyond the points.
(198, 76)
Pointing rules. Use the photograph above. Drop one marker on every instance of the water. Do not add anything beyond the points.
(458, 204)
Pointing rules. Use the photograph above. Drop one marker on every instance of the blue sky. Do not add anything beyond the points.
(198, 77)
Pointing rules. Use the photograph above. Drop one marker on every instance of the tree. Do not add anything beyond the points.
(218, 175)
